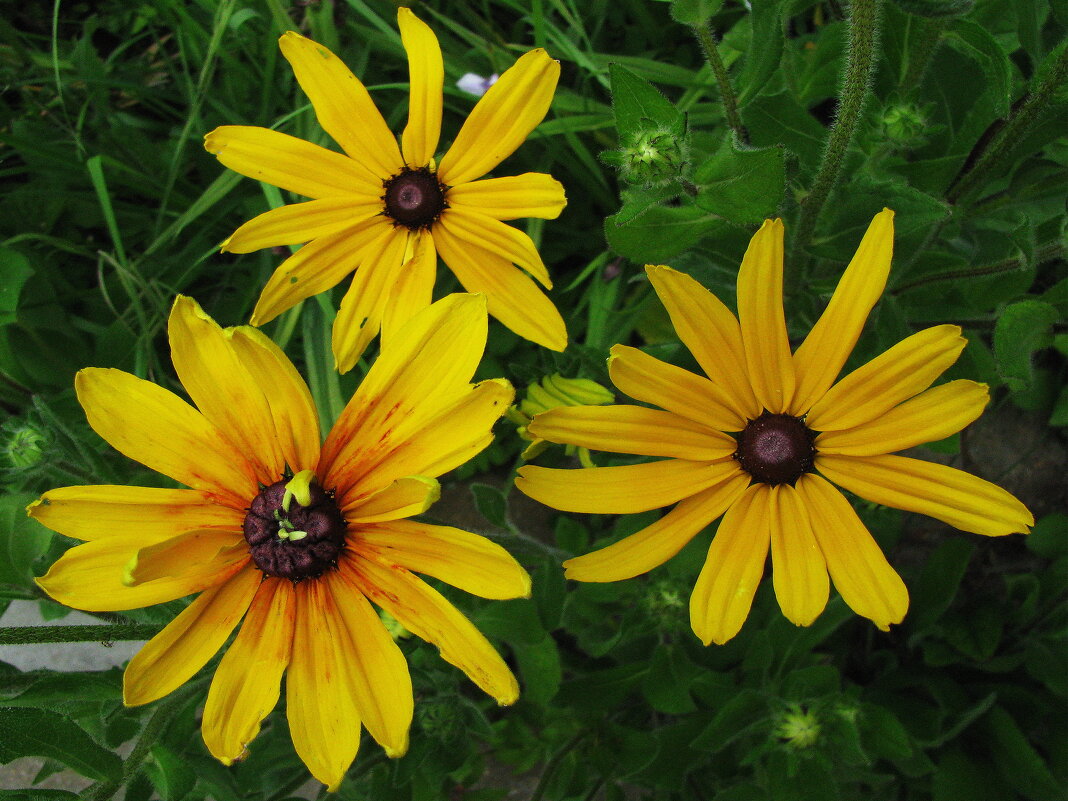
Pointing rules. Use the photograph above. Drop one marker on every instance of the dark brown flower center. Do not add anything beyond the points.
(414, 198)
(293, 540)
(776, 448)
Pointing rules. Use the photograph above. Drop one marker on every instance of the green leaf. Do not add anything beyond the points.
(171, 775)
(637, 103)
(39, 732)
(744, 711)
(764, 51)
(514, 621)
(638, 200)
(1023, 328)
(1049, 537)
(937, 586)
(539, 669)
(666, 686)
(22, 540)
(694, 12)
(1017, 760)
(978, 44)
(660, 233)
(780, 120)
(883, 734)
(492, 504)
(743, 186)
(15, 269)
(47, 689)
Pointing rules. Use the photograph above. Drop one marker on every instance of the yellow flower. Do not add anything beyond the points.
(552, 391)
(387, 212)
(295, 536)
(796, 429)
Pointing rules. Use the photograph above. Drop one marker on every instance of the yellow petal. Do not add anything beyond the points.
(930, 416)
(96, 512)
(857, 566)
(798, 568)
(710, 332)
(645, 378)
(502, 118)
(381, 684)
(944, 493)
(405, 497)
(247, 682)
(623, 489)
(161, 431)
(511, 244)
(906, 369)
(321, 706)
(424, 612)
(413, 288)
(185, 555)
(301, 222)
(655, 544)
(457, 557)
(222, 388)
(831, 340)
(513, 298)
(318, 266)
(290, 163)
(426, 77)
(342, 106)
(532, 194)
(632, 429)
(174, 656)
(760, 312)
(728, 581)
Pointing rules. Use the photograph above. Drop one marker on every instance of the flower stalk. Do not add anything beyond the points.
(726, 91)
(36, 635)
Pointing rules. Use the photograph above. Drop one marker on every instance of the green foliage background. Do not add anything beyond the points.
(955, 119)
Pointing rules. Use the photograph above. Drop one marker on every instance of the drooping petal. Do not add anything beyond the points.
(290, 163)
(763, 323)
(710, 332)
(405, 497)
(302, 222)
(632, 429)
(532, 194)
(502, 118)
(932, 415)
(857, 566)
(247, 682)
(798, 568)
(161, 431)
(960, 499)
(827, 346)
(724, 591)
(343, 106)
(622, 489)
(511, 244)
(424, 612)
(906, 369)
(655, 544)
(175, 655)
(426, 78)
(646, 378)
(186, 555)
(96, 512)
(467, 561)
(514, 299)
(413, 288)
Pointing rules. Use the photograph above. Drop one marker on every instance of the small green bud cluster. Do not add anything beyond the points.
(653, 156)
(904, 125)
(798, 728)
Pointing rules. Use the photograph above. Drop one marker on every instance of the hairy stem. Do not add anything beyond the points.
(1047, 252)
(726, 91)
(153, 729)
(29, 635)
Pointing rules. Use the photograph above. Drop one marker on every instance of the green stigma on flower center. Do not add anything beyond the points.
(414, 198)
(776, 449)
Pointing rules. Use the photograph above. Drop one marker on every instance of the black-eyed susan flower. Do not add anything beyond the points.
(387, 212)
(761, 438)
(296, 537)
(548, 393)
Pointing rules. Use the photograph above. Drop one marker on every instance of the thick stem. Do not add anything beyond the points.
(726, 91)
(1047, 252)
(101, 791)
(29, 635)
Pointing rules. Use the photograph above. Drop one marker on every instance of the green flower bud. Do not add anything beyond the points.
(26, 445)
(798, 728)
(651, 157)
(904, 124)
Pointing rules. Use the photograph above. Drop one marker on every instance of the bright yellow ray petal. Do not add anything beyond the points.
(301, 222)
(514, 299)
(290, 163)
(799, 570)
(502, 118)
(623, 489)
(632, 429)
(161, 431)
(96, 512)
(831, 340)
(857, 566)
(906, 369)
(645, 378)
(187, 554)
(467, 561)
(424, 612)
(427, 76)
(405, 497)
(247, 682)
(710, 332)
(342, 106)
(964, 501)
(655, 544)
(413, 288)
(932, 415)
(724, 591)
(532, 194)
(760, 312)
(511, 244)
(174, 656)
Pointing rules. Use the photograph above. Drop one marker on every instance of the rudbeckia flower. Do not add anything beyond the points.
(296, 537)
(387, 212)
(761, 439)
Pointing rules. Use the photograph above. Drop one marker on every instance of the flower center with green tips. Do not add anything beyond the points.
(294, 529)
(776, 448)
(414, 198)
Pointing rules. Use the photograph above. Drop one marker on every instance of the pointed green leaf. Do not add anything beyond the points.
(39, 732)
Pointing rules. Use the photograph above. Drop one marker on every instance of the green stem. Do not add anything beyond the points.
(927, 41)
(153, 729)
(1047, 252)
(554, 763)
(726, 91)
(859, 69)
(34, 635)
